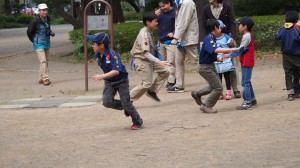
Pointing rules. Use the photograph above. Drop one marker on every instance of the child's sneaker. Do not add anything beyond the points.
(237, 94)
(254, 102)
(196, 97)
(208, 110)
(228, 95)
(221, 96)
(244, 106)
(152, 95)
(138, 125)
(291, 97)
(175, 89)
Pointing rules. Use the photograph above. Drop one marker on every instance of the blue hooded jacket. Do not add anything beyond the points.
(36, 33)
(289, 36)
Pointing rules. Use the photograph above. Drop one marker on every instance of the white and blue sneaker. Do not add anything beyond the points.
(175, 89)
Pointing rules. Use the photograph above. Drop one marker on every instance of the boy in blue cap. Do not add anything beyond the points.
(115, 77)
(289, 36)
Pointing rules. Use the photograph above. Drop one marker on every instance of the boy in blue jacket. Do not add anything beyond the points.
(166, 28)
(115, 77)
(289, 36)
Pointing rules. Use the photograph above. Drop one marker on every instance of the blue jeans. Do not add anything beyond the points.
(248, 94)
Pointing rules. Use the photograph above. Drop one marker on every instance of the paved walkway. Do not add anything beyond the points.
(19, 88)
(51, 102)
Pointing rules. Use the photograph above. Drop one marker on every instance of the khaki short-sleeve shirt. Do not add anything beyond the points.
(142, 44)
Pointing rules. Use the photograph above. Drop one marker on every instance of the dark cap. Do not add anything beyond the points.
(100, 38)
(291, 16)
(246, 20)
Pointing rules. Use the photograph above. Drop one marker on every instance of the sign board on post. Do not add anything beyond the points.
(98, 22)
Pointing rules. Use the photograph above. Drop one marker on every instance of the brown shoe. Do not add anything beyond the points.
(41, 81)
(47, 82)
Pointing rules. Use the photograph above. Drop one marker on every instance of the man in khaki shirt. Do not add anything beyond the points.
(186, 32)
(146, 64)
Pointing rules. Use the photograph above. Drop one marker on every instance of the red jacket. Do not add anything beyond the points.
(248, 59)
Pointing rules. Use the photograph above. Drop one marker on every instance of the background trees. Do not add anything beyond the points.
(74, 16)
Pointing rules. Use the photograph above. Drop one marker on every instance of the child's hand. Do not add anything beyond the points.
(234, 49)
(174, 41)
(225, 56)
(220, 59)
(97, 78)
(164, 64)
(157, 12)
(170, 35)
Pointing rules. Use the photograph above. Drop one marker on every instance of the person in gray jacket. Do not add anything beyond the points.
(187, 33)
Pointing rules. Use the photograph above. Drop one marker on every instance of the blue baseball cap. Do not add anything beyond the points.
(100, 38)
(222, 25)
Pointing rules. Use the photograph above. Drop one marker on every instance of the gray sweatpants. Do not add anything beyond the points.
(214, 87)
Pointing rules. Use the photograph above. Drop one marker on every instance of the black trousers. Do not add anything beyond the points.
(122, 87)
(296, 83)
(291, 66)
(227, 79)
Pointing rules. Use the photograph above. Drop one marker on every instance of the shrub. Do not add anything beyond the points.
(125, 33)
(124, 37)
(58, 20)
(132, 15)
(2, 19)
(7, 21)
(10, 18)
(25, 19)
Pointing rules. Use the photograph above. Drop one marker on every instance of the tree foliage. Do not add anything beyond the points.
(59, 7)
(264, 7)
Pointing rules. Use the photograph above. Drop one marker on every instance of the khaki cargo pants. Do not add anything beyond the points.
(43, 55)
(146, 70)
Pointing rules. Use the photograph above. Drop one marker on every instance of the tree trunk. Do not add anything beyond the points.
(78, 21)
(118, 16)
(7, 7)
(134, 5)
(200, 6)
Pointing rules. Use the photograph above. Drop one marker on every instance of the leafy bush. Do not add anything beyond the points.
(9, 22)
(58, 20)
(9, 18)
(264, 7)
(125, 34)
(132, 15)
(2, 19)
(25, 19)
(124, 37)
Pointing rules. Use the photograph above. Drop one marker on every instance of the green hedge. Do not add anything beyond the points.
(124, 36)
(10, 21)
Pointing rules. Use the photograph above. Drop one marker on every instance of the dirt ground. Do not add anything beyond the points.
(175, 132)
